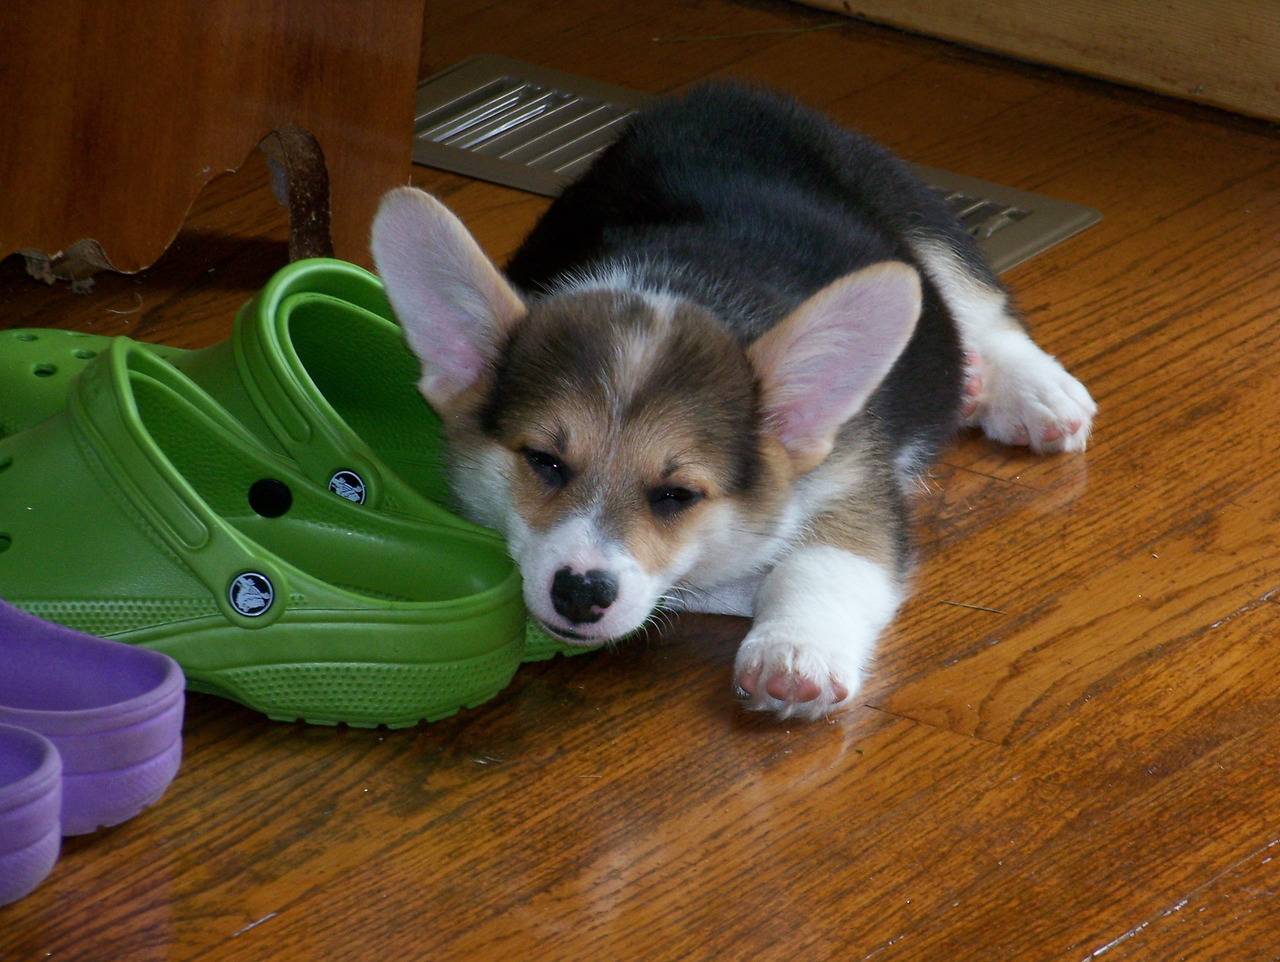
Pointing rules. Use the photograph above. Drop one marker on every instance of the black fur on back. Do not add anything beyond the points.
(746, 202)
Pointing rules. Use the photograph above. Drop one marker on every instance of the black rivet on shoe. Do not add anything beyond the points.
(270, 498)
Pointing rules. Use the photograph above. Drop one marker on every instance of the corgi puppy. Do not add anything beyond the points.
(711, 376)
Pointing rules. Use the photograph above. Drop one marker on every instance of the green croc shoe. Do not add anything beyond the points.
(144, 512)
(317, 369)
(36, 368)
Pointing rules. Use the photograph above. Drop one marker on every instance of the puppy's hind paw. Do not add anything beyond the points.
(1019, 395)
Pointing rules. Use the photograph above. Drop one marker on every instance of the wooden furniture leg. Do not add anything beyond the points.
(119, 114)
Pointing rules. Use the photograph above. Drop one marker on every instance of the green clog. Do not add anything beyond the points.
(317, 369)
(36, 368)
(144, 512)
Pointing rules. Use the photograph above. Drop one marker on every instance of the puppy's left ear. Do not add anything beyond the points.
(452, 303)
(822, 362)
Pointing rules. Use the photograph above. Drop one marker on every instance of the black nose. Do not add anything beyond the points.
(581, 598)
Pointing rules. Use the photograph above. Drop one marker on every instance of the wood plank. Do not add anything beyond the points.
(1144, 796)
(652, 48)
(1199, 927)
(1137, 588)
(771, 882)
(564, 866)
(1222, 53)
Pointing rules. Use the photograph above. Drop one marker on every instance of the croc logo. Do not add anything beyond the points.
(349, 485)
(252, 594)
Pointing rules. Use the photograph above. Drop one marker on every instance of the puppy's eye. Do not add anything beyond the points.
(666, 502)
(549, 468)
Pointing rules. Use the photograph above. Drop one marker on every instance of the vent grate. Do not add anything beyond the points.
(525, 124)
(536, 129)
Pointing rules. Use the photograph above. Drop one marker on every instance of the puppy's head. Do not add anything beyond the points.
(625, 442)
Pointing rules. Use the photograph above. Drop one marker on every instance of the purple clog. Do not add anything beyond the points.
(30, 799)
(113, 711)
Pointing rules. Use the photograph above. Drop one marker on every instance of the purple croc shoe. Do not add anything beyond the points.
(113, 711)
(30, 799)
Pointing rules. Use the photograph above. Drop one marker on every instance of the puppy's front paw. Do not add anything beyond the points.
(1020, 395)
(778, 671)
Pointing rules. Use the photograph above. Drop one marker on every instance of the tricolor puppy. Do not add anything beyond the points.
(712, 374)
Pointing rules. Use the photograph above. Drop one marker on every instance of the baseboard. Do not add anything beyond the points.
(1225, 53)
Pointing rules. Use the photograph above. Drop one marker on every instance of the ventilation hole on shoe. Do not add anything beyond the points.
(84, 354)
(6, 462)
(25, 336)
(6, 543)
(270, 498)
(44, 370)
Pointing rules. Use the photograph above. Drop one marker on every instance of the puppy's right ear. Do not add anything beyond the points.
(453, 304)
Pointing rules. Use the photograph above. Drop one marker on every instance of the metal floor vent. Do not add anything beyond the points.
(536, 129)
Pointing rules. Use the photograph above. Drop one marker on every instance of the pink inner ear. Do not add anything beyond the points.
(455, 367)
(821, 363)
(450, 300)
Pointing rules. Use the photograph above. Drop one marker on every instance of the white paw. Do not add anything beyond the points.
(779, 672)
(818, 615)
(1020, 395)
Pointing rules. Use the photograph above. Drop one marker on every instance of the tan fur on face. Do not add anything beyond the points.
(617, 468)
(633, 395)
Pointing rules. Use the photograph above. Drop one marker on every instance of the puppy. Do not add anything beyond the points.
(711, 376)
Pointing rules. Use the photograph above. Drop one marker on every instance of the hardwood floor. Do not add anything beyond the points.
(1069, 747)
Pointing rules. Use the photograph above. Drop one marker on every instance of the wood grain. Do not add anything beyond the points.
(1068, 747)
(1222, 52)
(118, 114)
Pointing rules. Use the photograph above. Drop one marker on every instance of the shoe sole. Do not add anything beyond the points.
(364, 695)
(30, 801)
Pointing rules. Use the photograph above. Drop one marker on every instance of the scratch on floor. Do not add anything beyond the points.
(1246, 608)
(962, 604)
(1182, 903)
(253, 925)
(1138, 928)
(1114, 942)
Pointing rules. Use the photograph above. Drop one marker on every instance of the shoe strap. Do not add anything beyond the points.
(291, 408)
(329, 277)
(108, 425)
(297, 415)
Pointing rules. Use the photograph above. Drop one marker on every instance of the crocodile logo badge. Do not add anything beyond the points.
(252, 594)
(349, 485)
